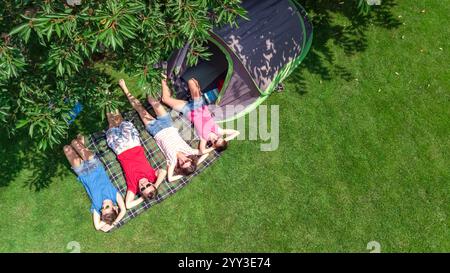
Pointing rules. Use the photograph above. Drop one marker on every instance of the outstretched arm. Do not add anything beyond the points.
(230, 134)
(99, 224)
(122, 207)
(202, 147)
(130, 201)
(202, 158)
(161, 176)
(170, 174)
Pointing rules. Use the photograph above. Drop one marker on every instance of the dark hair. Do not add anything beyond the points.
(150, 195)
(221, 147)
(109, 217)
(188, 170)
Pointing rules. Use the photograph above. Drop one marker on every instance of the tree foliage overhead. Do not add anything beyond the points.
(50, 51)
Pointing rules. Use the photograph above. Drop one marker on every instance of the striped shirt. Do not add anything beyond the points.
(170, 143)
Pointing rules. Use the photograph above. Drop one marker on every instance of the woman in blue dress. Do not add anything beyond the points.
(108, 207)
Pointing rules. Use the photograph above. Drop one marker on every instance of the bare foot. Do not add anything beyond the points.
(124, 87)
(84, 152)
(114, 118)
(122, 83)
(193, 85)
(80, 139)
(152, 100)
(110, 118)
(72, 156)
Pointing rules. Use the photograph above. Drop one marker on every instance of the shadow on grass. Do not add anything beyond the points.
(17, 154)
(351, 36)
(52, 164)
(45, 166)
(11, 156)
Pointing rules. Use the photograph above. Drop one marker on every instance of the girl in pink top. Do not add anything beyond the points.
(197, 112)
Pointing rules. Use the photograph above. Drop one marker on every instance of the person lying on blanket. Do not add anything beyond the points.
(182, 159)
(107, 207)
(197, 112)
(123, 138)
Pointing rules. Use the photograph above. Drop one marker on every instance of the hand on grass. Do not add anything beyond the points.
(106, 228)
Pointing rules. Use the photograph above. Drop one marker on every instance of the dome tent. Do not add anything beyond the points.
(251, 60)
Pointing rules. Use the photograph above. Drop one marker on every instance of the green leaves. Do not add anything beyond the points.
(50, 57)
(117, 22)
(226, 12)
(46, 122)
(63, 60)
(363, 7)
(12, 62)
(20, 29)
(107, 96)
(5, 106)
(44, 111)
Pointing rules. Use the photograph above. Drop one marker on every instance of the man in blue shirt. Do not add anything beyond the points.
(108, 207)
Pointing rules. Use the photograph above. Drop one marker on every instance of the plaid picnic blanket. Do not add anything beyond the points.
(97, 143)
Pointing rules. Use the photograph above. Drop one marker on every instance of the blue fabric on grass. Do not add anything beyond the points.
(97, 183)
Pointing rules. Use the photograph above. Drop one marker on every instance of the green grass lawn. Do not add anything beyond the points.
(363, 156)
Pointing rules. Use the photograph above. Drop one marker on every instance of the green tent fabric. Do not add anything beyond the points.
(251, 58)
(97, 143)
(206, 71)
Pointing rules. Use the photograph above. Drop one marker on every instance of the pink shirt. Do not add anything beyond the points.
(203, 122)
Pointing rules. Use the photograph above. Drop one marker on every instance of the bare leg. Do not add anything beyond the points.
(167, 99)
(194, 88)
(114, 119)
(72, 156)
(157, 106)
(84, 152)
(145, 116)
